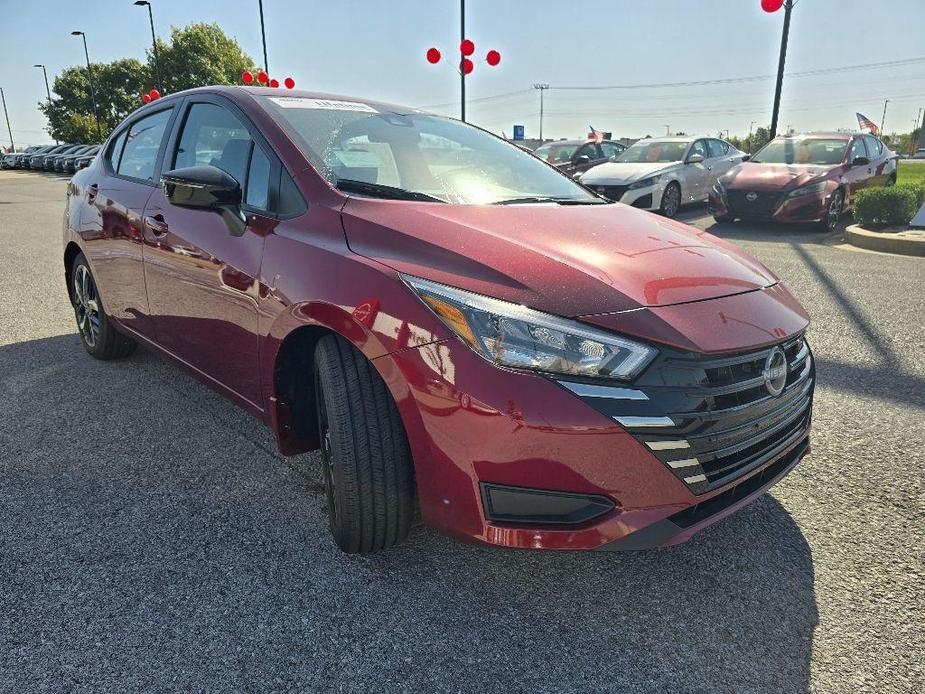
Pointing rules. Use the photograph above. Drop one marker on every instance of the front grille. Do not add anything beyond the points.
(610, 192)
(711, 420)
(763, 206)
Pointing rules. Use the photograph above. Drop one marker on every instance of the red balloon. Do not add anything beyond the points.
(289, 82)
(493, 57)
(154, 94)
(262, 77)
(466, 66)
(771, 5)
(247, 77)
(467, 47)
(433, 56)
(274, 83)
(146, 98)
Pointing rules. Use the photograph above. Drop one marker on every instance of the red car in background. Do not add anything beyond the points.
(577, 156)
(810, 178)
(457, 326)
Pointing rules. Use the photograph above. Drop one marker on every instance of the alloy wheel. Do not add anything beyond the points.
(671, 201)
(86, 305)
(834, 212)
(327, 457)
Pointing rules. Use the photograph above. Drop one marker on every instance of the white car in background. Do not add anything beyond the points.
(664, 173)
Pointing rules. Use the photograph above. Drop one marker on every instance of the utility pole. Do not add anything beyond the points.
(6, 113)
(667, 130)
(157, 64)
(542, 88)
(462, 72)
(788, 8)
(883, 118)
(263, 35)
(47, 90)
(96, 115)
(750, 126)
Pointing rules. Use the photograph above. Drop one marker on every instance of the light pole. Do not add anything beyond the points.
(667, 130)
(263, 36)
(542, 88)
(47, 90)
(6, 113)
(883, 118)
(96, 115)
(157, 64)
(462, 72)
(750, 126)
(788, 7)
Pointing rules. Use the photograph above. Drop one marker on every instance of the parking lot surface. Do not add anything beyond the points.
(152, 539)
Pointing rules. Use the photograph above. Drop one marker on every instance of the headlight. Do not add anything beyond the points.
(811, 189)
(521, 338)
(645, 182)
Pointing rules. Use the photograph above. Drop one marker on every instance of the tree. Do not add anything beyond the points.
(196, 56)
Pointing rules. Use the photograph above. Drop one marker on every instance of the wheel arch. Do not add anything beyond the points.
(71, 251)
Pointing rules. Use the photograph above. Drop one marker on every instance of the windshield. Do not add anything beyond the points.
(791, 150)
(653, 151)
(556, 154)
(416, 156)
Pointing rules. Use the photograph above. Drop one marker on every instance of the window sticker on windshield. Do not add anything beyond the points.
(329, 104)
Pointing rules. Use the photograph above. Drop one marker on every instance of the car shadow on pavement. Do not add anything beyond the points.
(153, 539)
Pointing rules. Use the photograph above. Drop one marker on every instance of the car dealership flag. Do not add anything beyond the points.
(867, 124)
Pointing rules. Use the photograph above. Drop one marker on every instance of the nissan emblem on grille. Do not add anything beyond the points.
(751, 197)
(775, 371)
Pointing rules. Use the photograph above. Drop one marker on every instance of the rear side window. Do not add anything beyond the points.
(115, 151)
(142, 144)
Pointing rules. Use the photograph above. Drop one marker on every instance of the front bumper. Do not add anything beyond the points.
(769, 206)
(647, 198)
(474, 427)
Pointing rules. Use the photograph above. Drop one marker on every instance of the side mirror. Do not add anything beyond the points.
(860, 161)
(746, 157)
(583, 159)
(206, 188)
(695, 159)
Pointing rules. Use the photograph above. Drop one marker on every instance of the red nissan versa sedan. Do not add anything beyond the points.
(453, 322)
(803, 178)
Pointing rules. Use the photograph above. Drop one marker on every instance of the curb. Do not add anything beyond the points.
(903, 242)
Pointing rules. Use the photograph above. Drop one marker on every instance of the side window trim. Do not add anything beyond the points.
(165, 139)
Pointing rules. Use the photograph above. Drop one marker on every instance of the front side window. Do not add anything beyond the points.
(361, 149)
(718, 148)
(142, 143)
(654, 151)
(555, 154)
(610, 149)
(815, 151)
(857, 149)
(589, 151)
(874, 146)
(699, 147)
(213, 136)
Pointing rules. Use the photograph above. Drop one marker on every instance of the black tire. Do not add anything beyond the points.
(99, 338)
(723, 218)
(368, 471)
(671, 200)
(833, 212)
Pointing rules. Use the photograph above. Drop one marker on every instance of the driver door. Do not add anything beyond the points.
(202, 278)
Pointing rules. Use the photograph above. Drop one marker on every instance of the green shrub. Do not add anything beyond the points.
(893, 206)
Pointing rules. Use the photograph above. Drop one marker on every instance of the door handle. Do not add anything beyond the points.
(92, 190)
(157, 224)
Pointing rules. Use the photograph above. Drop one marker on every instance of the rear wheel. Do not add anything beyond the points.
(833, 212)
(671, 200)
(99, 338)
(368, 471)
(723, 218)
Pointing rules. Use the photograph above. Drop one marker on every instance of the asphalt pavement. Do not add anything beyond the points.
(151, 539)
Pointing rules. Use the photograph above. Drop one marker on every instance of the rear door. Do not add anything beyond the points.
(878, 161)
(111, 222)
(720, 159)
(857, 177)
(202, 279)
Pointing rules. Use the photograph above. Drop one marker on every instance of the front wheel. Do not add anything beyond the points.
(99, 338)
(671, 200)
(723, 218)
(368, 471)
(833, 212)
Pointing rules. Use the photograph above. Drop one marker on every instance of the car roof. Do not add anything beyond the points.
(574, 142)
(832, 135)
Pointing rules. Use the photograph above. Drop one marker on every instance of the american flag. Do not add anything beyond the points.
(595, 135)
(867, 124)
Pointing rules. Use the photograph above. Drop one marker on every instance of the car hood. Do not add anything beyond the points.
(618, 173)
(759, 176)
(566, 260)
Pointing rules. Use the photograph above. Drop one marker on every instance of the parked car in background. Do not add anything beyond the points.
(919, 153)
(461, 330)
(84, 160)
(48, 163)
(64, 162)
(21, 160)
(576, 156)
(809, 178)
(11, 159)
(664, 173)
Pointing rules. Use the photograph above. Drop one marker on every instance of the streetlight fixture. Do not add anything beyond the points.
(96, 115)
(157, 64)
(542, 88)
(6, 113)
(47, 90)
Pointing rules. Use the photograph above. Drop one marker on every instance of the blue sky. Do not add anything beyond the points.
(376, 49)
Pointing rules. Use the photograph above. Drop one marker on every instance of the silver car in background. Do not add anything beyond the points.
(664, 173)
